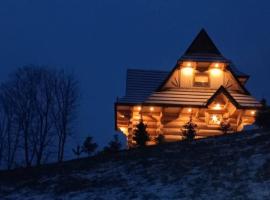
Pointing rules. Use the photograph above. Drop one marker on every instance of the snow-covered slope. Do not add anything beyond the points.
(227, 167)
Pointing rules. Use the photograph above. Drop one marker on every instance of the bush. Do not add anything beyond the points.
(263, 116)
(77, 151)
(189, 130)
(89, 146)
(160, 139)
(113, 146)
(140, 134)
(225, 126)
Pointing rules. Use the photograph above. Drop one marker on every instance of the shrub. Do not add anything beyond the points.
(189, 130)
(263, 116)
(225, 126)
(113, 146)
(89, 146)
(160, 139)
(140, 134)
(77, 151)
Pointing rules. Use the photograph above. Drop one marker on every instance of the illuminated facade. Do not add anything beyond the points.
(203, 85)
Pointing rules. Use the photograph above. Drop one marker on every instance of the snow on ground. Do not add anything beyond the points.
(222, 168)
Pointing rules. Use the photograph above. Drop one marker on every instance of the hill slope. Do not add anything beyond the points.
(227, 167)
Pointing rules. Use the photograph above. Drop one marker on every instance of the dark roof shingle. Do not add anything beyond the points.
(141, 83)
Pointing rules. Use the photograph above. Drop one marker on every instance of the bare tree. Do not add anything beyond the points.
(66, 94)
(43, 123)
(9, 130)
(2, 135)
(20, 93)
(37, 109)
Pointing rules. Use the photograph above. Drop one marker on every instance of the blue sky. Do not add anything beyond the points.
(99, 40)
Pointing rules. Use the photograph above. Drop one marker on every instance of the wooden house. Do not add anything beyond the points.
(203, 85)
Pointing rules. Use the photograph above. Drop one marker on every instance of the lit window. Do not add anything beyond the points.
(201, 80)
(215, 119)
(217, 107)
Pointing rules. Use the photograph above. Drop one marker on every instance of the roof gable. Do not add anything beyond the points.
(222, 90)
(203, 49)
(202, 45)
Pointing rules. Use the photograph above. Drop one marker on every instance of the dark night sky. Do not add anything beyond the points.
(99, 39)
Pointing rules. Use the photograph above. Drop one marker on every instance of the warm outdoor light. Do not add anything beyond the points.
(122, 116)
(139, 108)
(253, 112)
(215, 72)
(217, 106)
(215, 119)
(187, 71)
(189, 110)
(216, 65)
(151, 109)
(189, 64)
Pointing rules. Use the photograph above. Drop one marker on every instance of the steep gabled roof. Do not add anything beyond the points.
(238, 100)
(222, 90)
(202, 45)
(203, 49)
(145, 87)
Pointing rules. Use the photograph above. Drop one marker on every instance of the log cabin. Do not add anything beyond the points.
(203, 86)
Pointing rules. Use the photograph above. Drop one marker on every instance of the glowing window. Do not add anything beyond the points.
(201, 80)
(215, 119)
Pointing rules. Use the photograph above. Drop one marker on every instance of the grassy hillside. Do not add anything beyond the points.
(226, 167)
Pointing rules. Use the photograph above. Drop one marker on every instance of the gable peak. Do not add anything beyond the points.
(203, 45)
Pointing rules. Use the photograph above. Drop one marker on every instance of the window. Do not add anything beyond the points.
(215, 119)
(201, 79)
